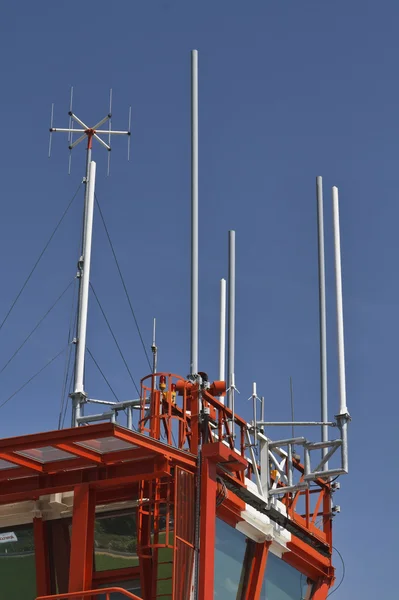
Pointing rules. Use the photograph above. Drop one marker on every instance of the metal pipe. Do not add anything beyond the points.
(264, 467)
(106, 402)
(306, 460)
(289, 464)
(194, 213)
(300, 441)
(129, 414)
(125, 403)
(322, 313)
(222, 337)
(324, 474)
(254, 400)
(288, 488)
(254, 462)
(154, 350)
(98, 417)
(320, 445)
(326, 458)
(343, 425)
(79, 394)
(112, 131)
(154, 347)
(343, 410)
(262, 412)
(231, 323)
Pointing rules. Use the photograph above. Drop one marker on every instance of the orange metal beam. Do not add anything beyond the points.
(12, 473)
(321, 590)
(33, 487)
(308, 560)
(22, 461)
(217, 451)
(207, 529)
(104, 577)
(86, 453)
(41, 557)
(179, 456)
(257, 572)
(82, 539)
(50, 438)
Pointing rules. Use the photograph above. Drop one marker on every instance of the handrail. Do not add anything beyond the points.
(86, 593)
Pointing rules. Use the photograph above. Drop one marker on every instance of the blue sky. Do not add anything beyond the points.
(288, 91)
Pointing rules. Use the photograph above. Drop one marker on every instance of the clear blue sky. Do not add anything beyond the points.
(288, 91)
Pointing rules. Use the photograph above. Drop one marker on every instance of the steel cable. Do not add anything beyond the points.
(33, 376)
(102, 373)
(35, 327)
(39, 259)
(114, 338)
(123, 281)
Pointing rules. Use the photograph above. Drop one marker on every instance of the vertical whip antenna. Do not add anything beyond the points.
(222, 335)
(154, 348)
(254, 401)
(51, 129)
(231, 324)
(70, 134)
(322, 316)
(129, 128)
(110, 130)
(343, 409)
(343, 416)
(194, 213)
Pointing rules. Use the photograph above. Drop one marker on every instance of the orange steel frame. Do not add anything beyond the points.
(152, 471)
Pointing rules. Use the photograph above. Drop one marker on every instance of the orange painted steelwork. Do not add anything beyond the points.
(162, 478)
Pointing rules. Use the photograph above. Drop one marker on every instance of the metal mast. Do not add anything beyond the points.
(79, 395)
(194, 214)
(322, 315)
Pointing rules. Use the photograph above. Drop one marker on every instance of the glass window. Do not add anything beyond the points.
(46, 454)
(230, 552)
(284, 582)
(4, 464)
(17, 557)
(115, 542)
(106, 444)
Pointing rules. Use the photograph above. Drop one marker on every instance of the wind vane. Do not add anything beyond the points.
(89, 133)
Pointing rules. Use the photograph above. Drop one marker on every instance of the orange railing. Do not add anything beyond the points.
(93, 593)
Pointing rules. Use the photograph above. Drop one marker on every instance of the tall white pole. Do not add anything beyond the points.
(322, 315)
(194, 213)
(232, 311)
(79, 395)
(343, 410)
(222, 344)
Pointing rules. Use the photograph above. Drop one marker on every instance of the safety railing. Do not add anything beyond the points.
(171, 410)
(92, 594)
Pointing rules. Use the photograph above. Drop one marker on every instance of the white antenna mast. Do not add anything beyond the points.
(79, 396)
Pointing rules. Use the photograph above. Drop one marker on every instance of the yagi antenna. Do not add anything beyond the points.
(90, 133)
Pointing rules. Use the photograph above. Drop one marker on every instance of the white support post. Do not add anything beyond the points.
(222, 337)
(194, 214)
(79, 394)
(343, 410)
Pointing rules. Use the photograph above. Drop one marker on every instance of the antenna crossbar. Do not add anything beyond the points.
(90, 133)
